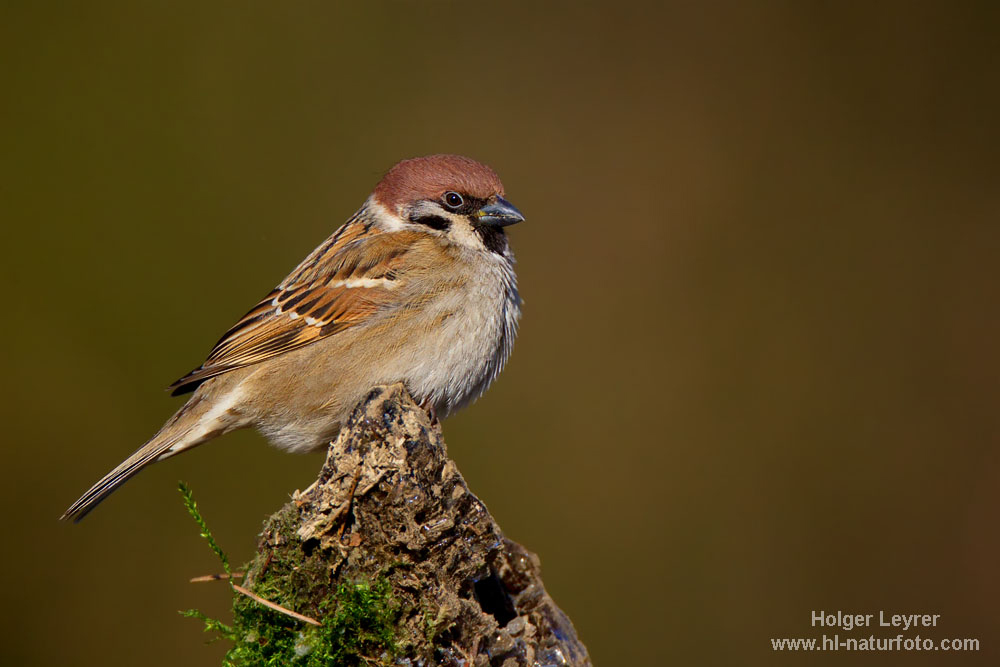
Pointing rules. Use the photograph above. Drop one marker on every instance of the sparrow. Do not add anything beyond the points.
(417, 287)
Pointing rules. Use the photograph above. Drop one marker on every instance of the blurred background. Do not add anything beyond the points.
(758, 369)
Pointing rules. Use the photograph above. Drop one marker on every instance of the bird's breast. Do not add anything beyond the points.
(467, 332)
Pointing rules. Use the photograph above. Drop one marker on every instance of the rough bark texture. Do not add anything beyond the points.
(390, 505)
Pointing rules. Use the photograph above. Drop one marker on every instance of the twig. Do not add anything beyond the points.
(216, 577)
(267, 561)
(350, 501)
(275, 607)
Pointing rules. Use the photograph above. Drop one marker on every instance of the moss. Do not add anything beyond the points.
(192, 507)
(221, 630)
(360, 628)
(359, 619)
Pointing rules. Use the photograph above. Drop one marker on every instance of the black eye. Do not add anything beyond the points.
(453, 199)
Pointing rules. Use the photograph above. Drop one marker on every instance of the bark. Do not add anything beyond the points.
(390, 505)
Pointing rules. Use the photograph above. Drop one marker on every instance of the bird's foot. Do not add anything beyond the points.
(428, 407)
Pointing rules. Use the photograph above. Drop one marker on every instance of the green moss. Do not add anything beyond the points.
(192, 507)
(365, 618)
(359, 619)
(221, 630)
(360, 629)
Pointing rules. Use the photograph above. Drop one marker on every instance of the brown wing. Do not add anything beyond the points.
(352, 275)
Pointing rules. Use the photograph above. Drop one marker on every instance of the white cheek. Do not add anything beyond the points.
(387, 220)
(461, 233)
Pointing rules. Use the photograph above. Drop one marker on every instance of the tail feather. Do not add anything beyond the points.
(182, 431)
(199, 420)
(128, 468)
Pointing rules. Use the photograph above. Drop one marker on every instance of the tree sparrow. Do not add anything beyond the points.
(418, 286)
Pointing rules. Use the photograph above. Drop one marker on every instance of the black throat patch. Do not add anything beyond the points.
(493, 238)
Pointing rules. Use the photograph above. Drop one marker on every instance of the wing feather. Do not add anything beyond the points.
(347, 279)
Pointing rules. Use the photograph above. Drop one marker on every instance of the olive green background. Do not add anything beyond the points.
(758, 372)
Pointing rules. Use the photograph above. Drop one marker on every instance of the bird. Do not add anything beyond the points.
(418, 287)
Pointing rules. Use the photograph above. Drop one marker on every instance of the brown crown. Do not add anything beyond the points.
(430, 177)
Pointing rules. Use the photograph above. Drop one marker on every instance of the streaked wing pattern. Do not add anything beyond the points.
(353, 274)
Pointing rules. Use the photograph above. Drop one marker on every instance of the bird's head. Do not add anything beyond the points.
(448, 195)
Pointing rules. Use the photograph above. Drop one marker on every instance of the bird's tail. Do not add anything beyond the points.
(180, 433)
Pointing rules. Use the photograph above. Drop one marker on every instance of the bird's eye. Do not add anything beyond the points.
(453, 199)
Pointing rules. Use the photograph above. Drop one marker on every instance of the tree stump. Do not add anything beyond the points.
(399, 562)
